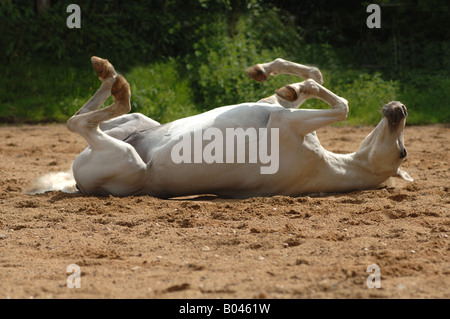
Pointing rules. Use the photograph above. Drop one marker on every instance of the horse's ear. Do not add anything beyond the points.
(403, 175)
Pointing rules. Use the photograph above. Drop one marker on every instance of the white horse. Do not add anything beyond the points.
(131, 154)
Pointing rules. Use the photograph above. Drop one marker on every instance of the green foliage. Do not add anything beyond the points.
(44, 92)
(366, 94)
(53, 93)
(426, 96)
(216, 69)
(159, 91)
(185, 57)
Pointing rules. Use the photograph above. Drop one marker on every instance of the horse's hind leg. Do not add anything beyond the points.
(123, 126)
(87, 124)
(106, 73)
(109, 166)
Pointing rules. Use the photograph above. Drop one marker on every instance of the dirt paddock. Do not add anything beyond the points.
(280, 247)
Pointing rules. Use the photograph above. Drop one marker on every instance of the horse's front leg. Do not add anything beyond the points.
(261, 72)
(304, 121)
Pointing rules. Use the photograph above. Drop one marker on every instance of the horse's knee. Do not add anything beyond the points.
(309, 87)
(343, 107)
(72, 124)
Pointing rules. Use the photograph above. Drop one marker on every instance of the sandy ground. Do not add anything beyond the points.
(280, 247)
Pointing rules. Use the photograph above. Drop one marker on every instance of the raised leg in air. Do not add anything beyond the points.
(86, 123)
(109, 165)
(304, 121)
(261, 72)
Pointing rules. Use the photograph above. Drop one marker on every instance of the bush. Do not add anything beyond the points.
(179, 64)
(217, 67)
(366, 94)
(159, 91)
(44, 92)
(426, 97)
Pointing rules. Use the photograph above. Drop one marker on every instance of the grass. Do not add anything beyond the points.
(159, 91)
(42, 93)
(52, 93)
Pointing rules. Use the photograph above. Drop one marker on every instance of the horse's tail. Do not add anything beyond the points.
(60, 181)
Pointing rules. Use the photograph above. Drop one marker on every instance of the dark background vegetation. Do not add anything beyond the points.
(184, 57)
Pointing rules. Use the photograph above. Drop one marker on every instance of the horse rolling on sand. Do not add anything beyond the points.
(262, 148)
